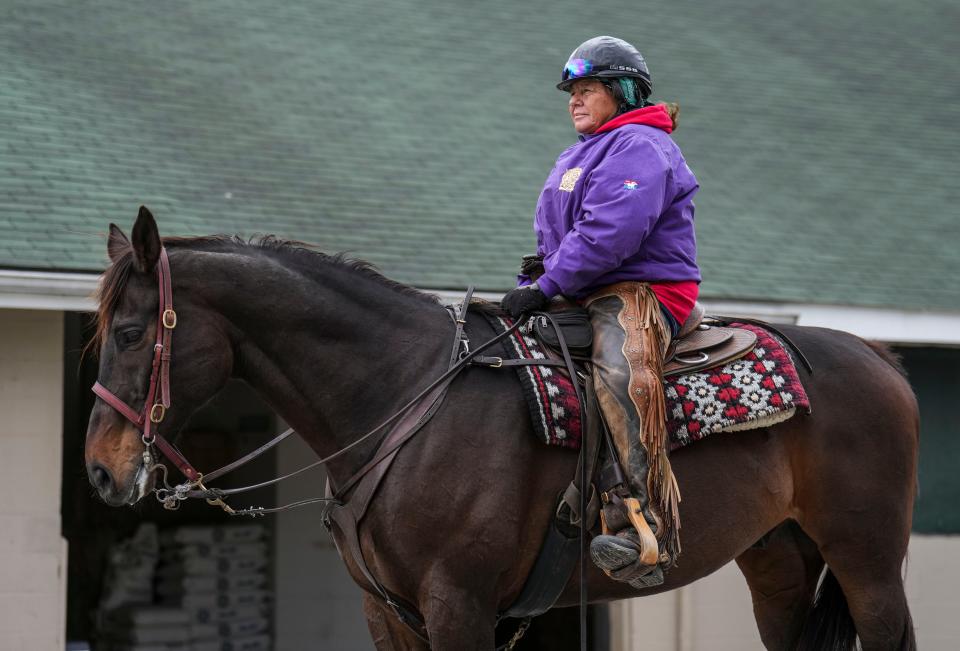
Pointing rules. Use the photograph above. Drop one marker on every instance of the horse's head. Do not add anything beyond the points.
(128, 320)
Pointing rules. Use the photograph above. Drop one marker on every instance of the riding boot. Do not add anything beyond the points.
(641, 520)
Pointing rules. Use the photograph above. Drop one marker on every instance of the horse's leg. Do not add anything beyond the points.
(869, 576)
(388, 632)
(459, 619)
(782, 575)
(855, 491)
(864, 546)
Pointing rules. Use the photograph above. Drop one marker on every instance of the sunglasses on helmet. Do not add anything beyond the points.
(577, 68)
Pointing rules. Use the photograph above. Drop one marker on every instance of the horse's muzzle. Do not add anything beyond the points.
(116, 493)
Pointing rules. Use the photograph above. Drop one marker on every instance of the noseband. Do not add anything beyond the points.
(158, 395)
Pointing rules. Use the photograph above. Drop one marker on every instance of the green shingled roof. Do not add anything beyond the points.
(418, 134)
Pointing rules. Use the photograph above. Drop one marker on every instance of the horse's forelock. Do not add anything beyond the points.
(111, 287)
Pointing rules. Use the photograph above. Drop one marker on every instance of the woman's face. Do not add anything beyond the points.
(590, 105)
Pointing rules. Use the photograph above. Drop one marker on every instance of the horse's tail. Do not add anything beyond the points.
(883, 351)
(829, 626)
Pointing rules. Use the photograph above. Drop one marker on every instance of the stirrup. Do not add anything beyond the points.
(646, 543)
(632, 552)
(649, 547)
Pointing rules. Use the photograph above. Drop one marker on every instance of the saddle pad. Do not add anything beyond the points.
(758, 390)
(551, 398)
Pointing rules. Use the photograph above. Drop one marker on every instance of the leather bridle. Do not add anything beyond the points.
(157, 402)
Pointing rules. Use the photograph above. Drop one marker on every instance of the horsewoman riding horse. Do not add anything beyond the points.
(457, 523)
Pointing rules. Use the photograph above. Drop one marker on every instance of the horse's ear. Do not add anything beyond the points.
(146, 241)
(117, 243)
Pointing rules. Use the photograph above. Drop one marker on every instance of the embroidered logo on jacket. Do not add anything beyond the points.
(569, 178)
(629, 184)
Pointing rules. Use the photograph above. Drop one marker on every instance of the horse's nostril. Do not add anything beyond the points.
(100, 478)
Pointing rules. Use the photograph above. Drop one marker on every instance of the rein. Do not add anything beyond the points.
(157, 402)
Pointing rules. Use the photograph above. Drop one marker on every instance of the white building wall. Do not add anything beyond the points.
(32, 552)
(715, 614)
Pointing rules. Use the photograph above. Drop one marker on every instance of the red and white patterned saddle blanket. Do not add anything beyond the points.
(758, 390)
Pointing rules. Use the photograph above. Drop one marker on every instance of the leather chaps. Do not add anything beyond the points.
(630, 341)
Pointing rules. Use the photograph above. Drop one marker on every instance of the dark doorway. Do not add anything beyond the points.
(235, 422)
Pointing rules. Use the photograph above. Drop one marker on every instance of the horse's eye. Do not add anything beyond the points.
(129, 336)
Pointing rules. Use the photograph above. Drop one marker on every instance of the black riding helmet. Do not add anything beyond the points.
(606, 58)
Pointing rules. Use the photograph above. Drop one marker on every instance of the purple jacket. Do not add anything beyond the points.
(617, 206)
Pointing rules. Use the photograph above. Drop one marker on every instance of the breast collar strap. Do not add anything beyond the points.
(157, 402)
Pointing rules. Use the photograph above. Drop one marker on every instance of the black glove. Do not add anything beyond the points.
(532, 266)
(523, 300)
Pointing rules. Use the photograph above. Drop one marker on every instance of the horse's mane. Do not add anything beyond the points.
(308, 260)
(483, 306)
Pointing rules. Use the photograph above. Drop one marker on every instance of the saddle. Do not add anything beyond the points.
(701, 343)
(704, 343)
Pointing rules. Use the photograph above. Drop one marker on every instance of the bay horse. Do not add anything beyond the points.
(334, 347)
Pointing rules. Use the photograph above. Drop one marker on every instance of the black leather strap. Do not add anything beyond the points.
(459, 316)
(549, 575)
(497, 362)
(727, 320)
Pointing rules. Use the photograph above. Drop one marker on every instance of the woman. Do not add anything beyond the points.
(614, 225)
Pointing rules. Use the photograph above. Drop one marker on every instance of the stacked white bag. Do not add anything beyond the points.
(127, 619)
(219, 575)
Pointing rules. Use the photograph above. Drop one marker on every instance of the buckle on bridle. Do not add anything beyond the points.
(169, 319)
(157, 412)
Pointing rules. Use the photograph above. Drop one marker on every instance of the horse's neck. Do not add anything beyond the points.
(334, 358)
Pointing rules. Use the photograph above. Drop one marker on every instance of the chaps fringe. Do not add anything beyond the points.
(661, 483)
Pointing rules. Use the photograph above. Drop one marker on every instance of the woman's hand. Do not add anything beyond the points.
(523, 300)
